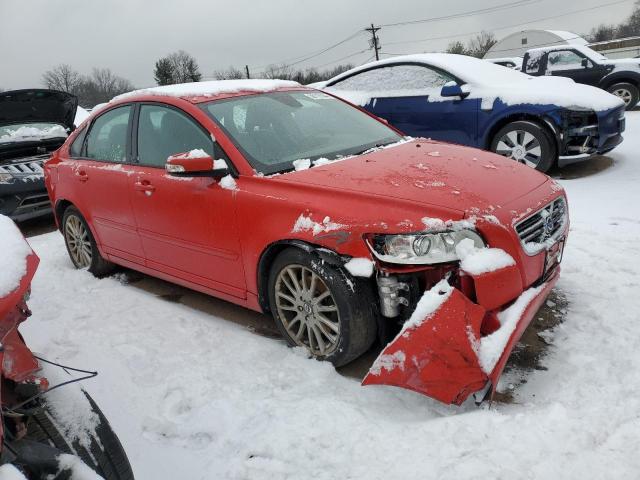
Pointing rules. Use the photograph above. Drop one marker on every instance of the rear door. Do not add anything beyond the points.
(408, 96)
(97, 179)
(187, 225)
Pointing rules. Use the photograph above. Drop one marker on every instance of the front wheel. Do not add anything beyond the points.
(526, 142)
(627, 92)
(320, 307)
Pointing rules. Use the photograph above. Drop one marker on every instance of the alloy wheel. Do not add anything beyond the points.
(307, 309)
(78, 242)
(521, 146)
(624, 94)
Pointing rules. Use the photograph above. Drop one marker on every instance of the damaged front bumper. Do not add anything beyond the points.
(462, 347)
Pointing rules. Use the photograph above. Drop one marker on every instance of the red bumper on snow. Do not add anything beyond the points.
(448, 356)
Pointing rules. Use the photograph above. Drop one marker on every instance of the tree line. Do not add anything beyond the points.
(98, 87)
(628, 28)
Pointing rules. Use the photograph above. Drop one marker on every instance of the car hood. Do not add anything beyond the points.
(38, 106)
(555, 91)
(428, 173)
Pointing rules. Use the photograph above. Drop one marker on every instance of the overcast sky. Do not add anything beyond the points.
(128, 36)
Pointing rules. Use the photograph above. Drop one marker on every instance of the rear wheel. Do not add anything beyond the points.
(81, 245)
(320, 307)
(627, 92)
(526, 142)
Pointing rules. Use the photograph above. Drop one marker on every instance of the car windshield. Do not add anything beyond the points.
(275, 129)
(31, 132)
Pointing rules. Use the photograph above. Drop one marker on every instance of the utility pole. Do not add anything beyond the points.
(375, 41)
(246, 69)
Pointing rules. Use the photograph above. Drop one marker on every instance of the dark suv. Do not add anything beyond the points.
(620, 77)
(33, 124)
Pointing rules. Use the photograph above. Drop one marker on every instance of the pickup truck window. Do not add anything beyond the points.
(564, 60)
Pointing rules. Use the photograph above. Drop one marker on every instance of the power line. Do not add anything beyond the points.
(309, 56)
(469, 13)
(448, 37)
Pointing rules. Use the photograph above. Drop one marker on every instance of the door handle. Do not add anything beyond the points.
(144, 186)
(82, 175)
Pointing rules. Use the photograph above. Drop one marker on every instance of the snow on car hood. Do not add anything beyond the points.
(488, 81)
(428, 173)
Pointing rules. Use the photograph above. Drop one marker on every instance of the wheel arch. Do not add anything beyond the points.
(270, 253)
(611, 80)
(59, 209)
(543, 122)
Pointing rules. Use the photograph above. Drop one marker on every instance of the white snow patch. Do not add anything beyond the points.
(9, 472)
(492, 346)
(15, 251)
(302, 164)
(360, 267)
(196, 153)
(219, 164)
(437, 224)
(476, 261)
(388, 362)
(76, 467)
(304, 223)
(428, 304)
(228, 183)
(81, 116)
(29, 134)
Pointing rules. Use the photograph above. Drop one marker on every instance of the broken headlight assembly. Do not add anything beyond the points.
(421, 248)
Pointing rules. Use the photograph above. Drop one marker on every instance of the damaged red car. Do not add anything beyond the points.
(288, 200)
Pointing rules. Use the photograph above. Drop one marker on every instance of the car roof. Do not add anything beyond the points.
(196, 92)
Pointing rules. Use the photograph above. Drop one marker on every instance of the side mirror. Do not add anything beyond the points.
(452, 89)
(585, 62)
(196, 163)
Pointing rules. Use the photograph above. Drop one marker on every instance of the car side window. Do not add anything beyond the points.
(107, 139)
(164, 131)
(533, 62)
(76, 147)
(564, 60)
(396, 78)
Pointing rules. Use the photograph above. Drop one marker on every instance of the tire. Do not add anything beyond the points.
(76, 232)
(627, 92)
(105, 454)
(354, 315)
(514, 140)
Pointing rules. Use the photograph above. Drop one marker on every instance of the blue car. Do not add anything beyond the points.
(539, 121)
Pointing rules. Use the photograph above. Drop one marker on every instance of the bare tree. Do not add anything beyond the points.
(101, 86)
(480, 44)
(457, 47)
(62, 77)
(281, 72)
(230, 73)
(185, 67)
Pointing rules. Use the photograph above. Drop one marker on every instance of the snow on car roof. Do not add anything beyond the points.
(471, 70)
(211, 88)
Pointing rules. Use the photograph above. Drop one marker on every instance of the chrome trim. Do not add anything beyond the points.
(548, 231)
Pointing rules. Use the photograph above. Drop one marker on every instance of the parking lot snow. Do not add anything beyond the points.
(198, 396)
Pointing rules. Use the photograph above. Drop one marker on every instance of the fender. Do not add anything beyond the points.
(627, 76)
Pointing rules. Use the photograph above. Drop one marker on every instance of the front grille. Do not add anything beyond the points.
(543, 227)
(33, 166)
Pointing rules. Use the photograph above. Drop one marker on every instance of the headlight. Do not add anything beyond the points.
(421, 248)
(5, 177)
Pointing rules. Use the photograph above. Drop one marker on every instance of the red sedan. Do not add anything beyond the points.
(288, 200)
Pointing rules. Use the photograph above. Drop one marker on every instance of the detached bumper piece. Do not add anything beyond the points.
(461, 348)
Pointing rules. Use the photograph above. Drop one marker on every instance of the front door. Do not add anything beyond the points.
(99, 177)
(573, 64)
(408, 97)
(187, 225)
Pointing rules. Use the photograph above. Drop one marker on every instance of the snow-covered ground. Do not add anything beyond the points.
(198, 396)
